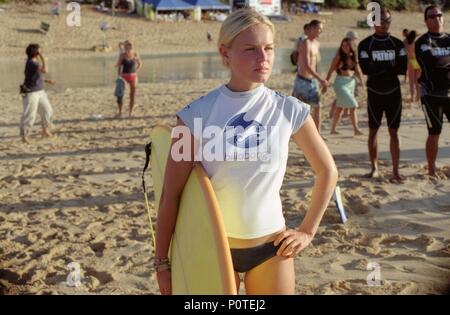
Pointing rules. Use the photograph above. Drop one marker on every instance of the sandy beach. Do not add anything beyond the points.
(78, 197)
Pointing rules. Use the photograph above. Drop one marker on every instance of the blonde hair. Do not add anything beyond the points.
(238, 21)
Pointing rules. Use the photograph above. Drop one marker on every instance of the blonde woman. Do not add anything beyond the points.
(248, 191)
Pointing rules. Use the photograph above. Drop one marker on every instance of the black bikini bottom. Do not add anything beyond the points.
(245, 259)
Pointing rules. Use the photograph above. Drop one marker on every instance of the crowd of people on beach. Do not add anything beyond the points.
(381, 57)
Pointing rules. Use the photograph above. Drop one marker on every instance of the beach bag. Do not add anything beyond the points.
(24, 89)
(294, 54)
(294, 57)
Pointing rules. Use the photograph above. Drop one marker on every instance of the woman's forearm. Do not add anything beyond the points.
(323, 189)
(167, 217)
(359, 75)
(333, 67)
(139, 64)
(330, 73)
(44, 64)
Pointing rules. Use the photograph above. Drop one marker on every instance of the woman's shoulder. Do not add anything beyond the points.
(295, 103)
(286, 102)
(294, 110)
(203, 102)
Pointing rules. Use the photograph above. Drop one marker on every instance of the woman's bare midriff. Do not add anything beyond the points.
(246, 243)
(346, 73)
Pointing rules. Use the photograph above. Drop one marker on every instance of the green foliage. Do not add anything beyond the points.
(361, 4)
(345, 4)
(395, 4)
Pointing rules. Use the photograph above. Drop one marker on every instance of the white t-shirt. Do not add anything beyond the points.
(243, 142)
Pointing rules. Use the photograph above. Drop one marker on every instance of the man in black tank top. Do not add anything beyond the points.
(382, 58)
(433, 55)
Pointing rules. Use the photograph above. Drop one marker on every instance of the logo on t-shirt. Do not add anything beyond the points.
(363, 55)
(425, 47)
(440, 51)
(383, 55)
(245, 133)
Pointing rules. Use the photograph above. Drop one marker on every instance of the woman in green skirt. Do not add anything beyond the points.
(345, 63)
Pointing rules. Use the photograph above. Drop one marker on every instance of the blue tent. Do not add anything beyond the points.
(209, 4)
(170, 5)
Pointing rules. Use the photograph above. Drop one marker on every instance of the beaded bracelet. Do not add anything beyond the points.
(162, 267)
(161, 264)
(160, 260)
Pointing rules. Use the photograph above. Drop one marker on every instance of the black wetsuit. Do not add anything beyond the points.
(382, 59)
(433, 55)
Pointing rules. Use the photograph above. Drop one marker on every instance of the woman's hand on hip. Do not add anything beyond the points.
(165, 282)
(292, 242)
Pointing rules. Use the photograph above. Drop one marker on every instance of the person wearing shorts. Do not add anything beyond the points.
(307, 80)
(382, 58)
(433, 55)
(306, 90)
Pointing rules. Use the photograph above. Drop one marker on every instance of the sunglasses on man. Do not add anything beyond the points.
(433, 16)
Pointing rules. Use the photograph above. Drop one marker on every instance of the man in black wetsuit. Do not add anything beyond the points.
(433, 55)
(382, 58)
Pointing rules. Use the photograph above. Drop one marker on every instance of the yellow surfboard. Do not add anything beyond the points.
(199, 253)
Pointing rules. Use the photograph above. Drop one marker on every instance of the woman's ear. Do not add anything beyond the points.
(223, 50)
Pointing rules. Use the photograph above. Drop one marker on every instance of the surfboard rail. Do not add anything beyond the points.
(220, 255)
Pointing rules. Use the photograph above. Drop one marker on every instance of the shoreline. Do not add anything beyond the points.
(19, 25)
(92, 54)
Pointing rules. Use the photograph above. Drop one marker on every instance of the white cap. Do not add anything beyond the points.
(351, 35)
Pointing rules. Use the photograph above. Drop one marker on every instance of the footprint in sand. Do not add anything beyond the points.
(358, 207)
(379, 191)
(357, 264)
(53, 278)
(419, 227)
(98, 248)
(103, 277)
(16, 278)
(91, 282)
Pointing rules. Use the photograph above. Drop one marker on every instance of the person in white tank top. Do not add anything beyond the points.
(241, 133)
